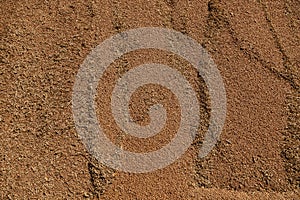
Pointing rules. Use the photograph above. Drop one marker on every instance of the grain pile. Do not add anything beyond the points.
(256, 46)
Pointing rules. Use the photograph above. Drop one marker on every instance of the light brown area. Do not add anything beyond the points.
(220, 194)
(255, 45)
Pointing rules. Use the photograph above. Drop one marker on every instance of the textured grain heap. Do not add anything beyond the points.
(256, 47)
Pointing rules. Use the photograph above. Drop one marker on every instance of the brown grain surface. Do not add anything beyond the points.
(256, 46)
